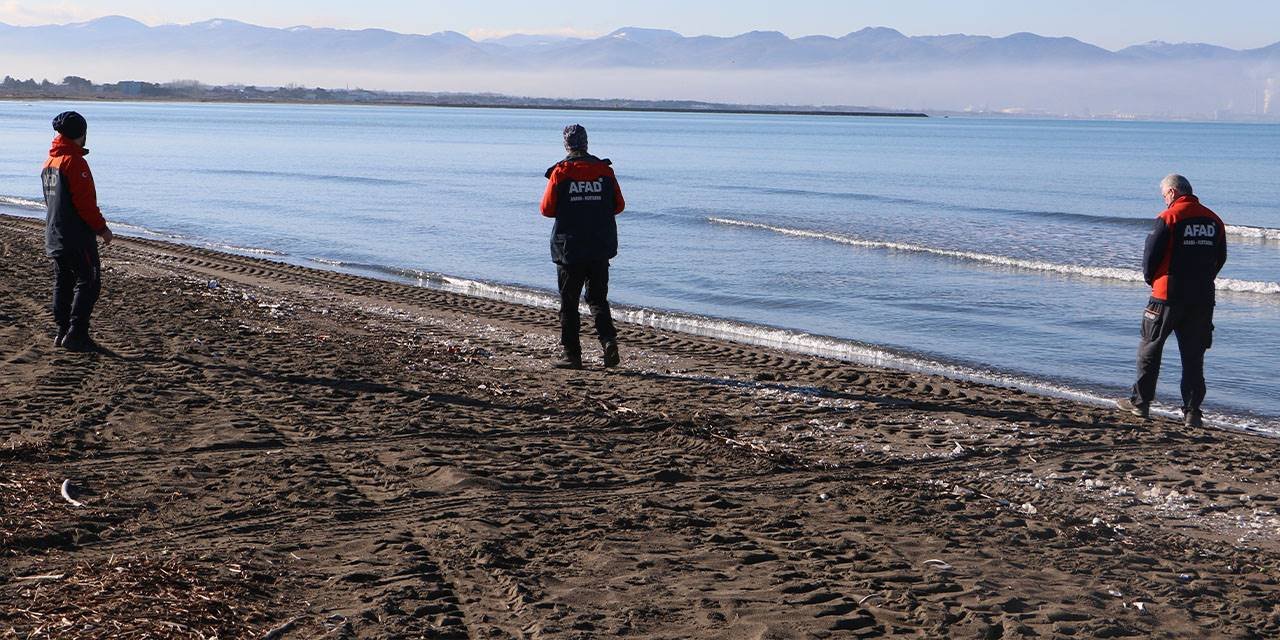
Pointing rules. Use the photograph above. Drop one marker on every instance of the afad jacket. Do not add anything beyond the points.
(583, 196)
(73, 220)
(1184, 253)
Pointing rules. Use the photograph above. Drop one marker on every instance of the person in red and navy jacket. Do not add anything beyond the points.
(1184, 253)
(583, 196)
(72, 227)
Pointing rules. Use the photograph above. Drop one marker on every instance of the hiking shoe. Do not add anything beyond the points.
(1141, 410)
(1192, 418)
(79, 344)
(62, 335)
(568, 361)
(611, 356)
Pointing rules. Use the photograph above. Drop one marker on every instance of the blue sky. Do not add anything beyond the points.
(1109, 23)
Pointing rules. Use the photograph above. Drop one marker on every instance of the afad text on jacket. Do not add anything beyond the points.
(583, 196)
(1184, 253)
(73, 220)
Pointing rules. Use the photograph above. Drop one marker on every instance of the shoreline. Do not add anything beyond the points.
(795, 341)
(304, 452)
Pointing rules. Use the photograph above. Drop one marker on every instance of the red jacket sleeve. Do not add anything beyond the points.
(83, 194)
(619, 203)
(549, 197)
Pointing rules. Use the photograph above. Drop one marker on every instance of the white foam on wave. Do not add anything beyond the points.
(1100, 273)
(21, 203)
(1258, 233)
(257, 251)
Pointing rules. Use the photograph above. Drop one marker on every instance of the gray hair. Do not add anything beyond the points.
(1179, 184)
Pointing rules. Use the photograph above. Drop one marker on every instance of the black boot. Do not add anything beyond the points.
(79, 343)
(611, 356)
(568, 360)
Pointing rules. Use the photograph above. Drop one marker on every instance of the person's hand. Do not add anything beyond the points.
(106, 236)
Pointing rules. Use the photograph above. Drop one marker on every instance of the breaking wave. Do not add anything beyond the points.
(1259, 233)
(1240, 231)
(21, 203)
(1099, 273)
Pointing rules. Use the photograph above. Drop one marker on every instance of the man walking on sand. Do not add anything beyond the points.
(72, 226)
(583, 196)
(1184, 253)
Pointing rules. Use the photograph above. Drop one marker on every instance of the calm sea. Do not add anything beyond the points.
(1004, 250)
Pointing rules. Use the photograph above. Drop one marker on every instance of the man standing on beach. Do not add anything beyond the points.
(1184, 253)
(72, 226)
(583, 196)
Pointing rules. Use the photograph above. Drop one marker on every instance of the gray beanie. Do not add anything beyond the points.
(575, 138)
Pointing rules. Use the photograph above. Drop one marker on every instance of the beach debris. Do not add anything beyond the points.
(958, 451)
(824, 496)
(1139, 605)
(941, 564)
(1028, 509)
(213, 284)
(869, 596)
(47, 576)
(280, 630)
(1114, 593)
(66, 494)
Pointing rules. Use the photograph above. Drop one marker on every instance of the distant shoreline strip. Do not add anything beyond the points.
(481, 105)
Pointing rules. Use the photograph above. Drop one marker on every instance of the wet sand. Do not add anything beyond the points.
(294, 453)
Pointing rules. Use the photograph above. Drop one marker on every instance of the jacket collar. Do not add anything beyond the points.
(571, 158)
(63, 146)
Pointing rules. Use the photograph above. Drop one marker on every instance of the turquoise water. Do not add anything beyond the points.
(1006, 246)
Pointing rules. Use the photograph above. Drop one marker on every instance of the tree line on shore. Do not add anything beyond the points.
(78, 88)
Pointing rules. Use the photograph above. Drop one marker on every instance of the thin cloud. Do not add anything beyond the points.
(18, 13)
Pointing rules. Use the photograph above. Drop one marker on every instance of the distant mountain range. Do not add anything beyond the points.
(627, 47)
(1022, 72)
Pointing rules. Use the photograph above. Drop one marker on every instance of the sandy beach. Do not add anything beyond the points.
(271, 451)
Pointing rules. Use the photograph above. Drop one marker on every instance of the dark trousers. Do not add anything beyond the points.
(77, 281)
(1193, 325)
(572, 277)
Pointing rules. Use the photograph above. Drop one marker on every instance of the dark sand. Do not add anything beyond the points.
(303, 454)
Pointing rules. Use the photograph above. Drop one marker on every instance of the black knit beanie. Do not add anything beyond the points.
(70, 124)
